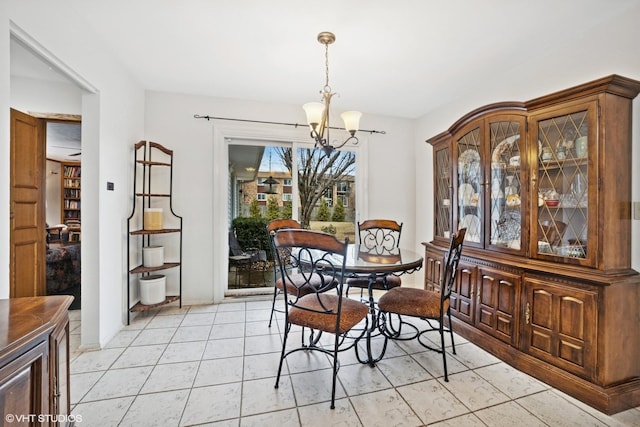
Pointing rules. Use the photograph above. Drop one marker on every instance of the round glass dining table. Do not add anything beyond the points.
(379, 260)
(374, 262)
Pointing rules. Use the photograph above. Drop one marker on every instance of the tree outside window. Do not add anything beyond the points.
(318, 174)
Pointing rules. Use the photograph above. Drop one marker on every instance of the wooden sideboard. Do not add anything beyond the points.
(545, 281)
(34, 360)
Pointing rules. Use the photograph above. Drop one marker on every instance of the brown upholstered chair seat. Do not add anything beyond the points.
(352, 313)
(298, 284)
(412, 302)
(382, 283)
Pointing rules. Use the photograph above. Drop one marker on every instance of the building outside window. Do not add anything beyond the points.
(328, 196)
(342, 192)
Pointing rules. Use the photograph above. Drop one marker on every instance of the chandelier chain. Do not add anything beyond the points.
(327, 88)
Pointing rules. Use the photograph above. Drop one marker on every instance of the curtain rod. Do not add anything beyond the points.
(197, 116)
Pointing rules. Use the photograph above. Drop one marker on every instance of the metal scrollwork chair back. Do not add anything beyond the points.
(424, 304)
(316, 258)
(383, 236)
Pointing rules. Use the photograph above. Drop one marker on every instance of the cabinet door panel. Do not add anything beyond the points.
(462, 295)
(442, 158)
(506, 186)
(23, 384)
(469, 184)
(497, 296)
(542, 316)
(433, 272)
(565, 177)
(59, 352)
(560, 325)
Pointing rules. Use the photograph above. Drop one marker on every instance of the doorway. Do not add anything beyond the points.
(63, 202)
(62, 89)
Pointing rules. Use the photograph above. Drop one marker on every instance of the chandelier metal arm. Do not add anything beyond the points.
(318, 129)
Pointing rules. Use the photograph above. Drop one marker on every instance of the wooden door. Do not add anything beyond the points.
(27, 210)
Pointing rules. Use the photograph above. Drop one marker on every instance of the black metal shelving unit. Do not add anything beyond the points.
(152, 161)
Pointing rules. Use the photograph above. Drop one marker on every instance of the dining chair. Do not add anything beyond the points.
(316, 256)
(272, 227)
(424, 304)
(383, 235)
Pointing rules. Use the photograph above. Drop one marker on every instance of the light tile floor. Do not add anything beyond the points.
(215, 365)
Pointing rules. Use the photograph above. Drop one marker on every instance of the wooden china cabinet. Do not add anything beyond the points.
(545, 283)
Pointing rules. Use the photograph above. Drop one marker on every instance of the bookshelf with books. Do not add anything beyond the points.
(70, 204)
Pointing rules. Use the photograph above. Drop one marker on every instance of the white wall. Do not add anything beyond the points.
(112, 110)
(4, 150)
(611, 48)
(39, 96)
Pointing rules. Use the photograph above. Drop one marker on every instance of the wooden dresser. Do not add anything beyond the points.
(34, 360)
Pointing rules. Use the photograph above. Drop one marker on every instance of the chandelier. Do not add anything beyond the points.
(318, 112)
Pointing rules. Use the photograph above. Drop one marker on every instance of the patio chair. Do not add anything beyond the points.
(244, 259)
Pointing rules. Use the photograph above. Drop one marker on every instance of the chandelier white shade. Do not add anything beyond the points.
(318, 112)
(351, 121)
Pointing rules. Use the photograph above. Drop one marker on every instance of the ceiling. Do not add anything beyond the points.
(64, 142)
(401, 59)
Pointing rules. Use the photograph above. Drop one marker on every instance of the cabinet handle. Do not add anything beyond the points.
(527, 314)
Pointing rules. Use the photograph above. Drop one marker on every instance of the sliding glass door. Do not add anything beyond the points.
(270, 180)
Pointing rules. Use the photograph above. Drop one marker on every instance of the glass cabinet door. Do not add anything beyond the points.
(564, 184)
(469, 185)
(443, 192)
(505, 185)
